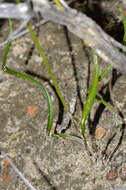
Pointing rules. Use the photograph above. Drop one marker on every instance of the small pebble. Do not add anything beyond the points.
(112, 175)
(100, 133)
(31, 111)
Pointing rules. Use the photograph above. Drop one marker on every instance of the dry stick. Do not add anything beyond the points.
(16, 11)
(68, 116)
(85, 28)
(22, 33)
(81, 25)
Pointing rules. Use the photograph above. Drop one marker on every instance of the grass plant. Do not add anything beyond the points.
(92, 91)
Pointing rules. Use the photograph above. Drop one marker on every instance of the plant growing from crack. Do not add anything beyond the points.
(92, 91)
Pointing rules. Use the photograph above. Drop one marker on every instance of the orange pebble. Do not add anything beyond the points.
(5, 178)
(6, 163)
(8, 178)
(32, 111)
(112, 175)
(100, 133)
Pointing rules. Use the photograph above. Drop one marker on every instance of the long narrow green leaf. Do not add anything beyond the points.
(18, 1)
(5, 56)
(45, 92)
(109, 107)
(105, 72)
(35, 39)
(7, 47)
(29, 78)
(91, 96)
(77, 120)
(67, 136)
(58, 4)
(124, 24)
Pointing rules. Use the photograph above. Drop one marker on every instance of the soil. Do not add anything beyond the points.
(57, 163)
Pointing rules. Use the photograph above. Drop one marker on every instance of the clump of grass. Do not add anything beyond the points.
(92, 91)
(91, 98)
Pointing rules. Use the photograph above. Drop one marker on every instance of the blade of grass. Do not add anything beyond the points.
(124, 24)
(109, 107)
(35, 39)
(105, 72)
(28, 78)
(18, 1)
(45, 92)
(7, 47)
(68, 136)
(77, 120)
(92, 94)
(58, 4)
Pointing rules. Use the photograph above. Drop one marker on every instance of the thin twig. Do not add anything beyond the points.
(68, 115)
(18, 172)
(22, 33)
